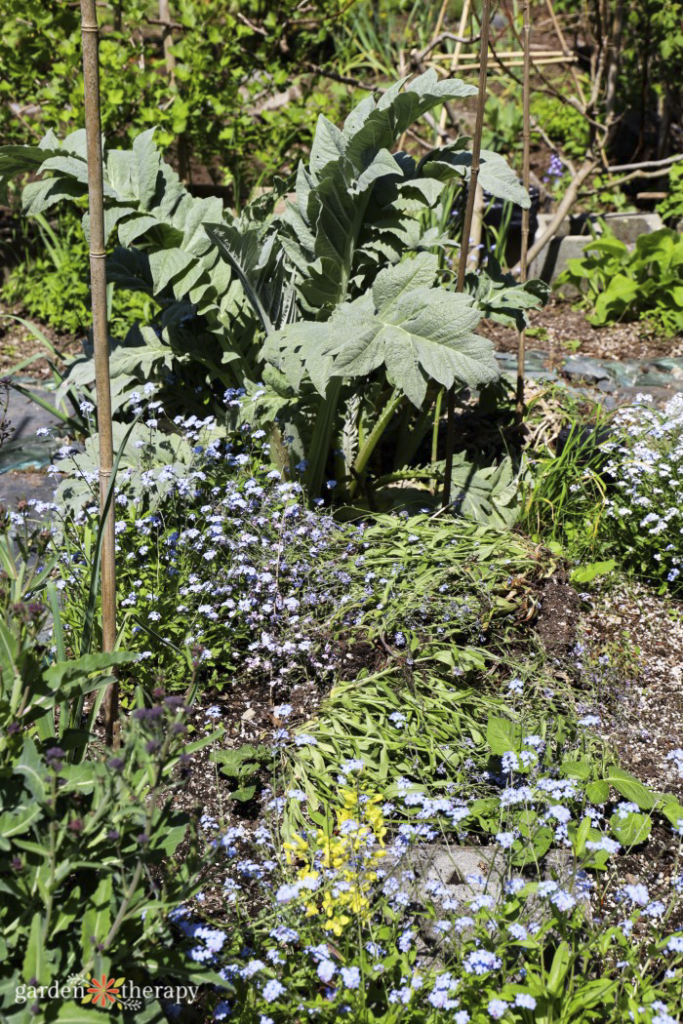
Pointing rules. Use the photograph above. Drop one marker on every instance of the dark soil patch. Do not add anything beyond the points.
(17, 344)
(558, 616)
(563, 331)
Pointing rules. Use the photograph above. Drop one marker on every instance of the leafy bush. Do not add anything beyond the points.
(226, 284)
(671, 208)
(623, 282)
(220, 105)
(563, 123)
(54, 285)
(86, 839)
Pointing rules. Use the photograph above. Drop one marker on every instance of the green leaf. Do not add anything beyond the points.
(495, 174)
(145, 168)
(418, 334)
(503, 735)
(673, 812)
(630, 788)
(576, 769)
(582, 834)
(598, 792)
(589, 995)
(35, 962)
(65, 671)
(16, 823)
(244, 794)
(558, 969)
(97, 918)
(587, 573)
(631, 829)
(32, 767)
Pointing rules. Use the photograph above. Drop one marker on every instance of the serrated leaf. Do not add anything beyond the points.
(419, 334)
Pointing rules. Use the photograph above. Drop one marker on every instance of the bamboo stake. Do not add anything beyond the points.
(456, 55)
(98, 285)
(517, 61)
(439, 20)
(506, 53)
(466, 227)
(526, 142)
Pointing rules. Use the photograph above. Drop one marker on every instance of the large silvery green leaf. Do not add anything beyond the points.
(322, 229)
(487, 494)
(416, 332)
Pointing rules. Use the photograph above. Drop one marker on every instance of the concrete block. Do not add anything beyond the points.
(550, 263)
(628, 227)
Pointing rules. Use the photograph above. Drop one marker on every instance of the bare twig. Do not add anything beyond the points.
(344, 79)
(645, 164)
(417, 56)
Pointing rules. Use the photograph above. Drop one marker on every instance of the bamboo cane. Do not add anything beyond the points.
(456, 54)
(98, 284)
(467, 224)
(526, 141)
(506, 53)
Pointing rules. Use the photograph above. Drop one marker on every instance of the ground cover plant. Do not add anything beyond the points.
(614, 494)
(456, 738)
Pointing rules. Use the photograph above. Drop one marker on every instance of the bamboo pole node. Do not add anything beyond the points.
(97, 255)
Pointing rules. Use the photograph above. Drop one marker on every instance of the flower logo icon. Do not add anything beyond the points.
(104, 991)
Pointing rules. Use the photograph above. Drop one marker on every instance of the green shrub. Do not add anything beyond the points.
(87, 838)
(562, 123)
(214, 109)
(671, 208)
(622, 282)
(54, 285)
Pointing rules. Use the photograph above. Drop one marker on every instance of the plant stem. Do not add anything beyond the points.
(98, 283)
(467, 223)
(374, 436)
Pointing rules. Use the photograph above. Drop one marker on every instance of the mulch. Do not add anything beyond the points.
(563, 331)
